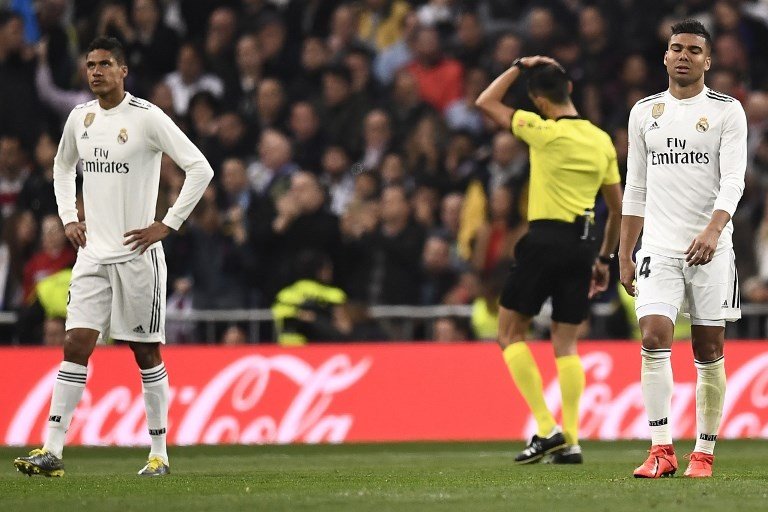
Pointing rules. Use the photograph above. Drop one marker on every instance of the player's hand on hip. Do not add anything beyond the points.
(75, 233)
(702, 248)
(146, 237)
(599, 283)
(627, 275)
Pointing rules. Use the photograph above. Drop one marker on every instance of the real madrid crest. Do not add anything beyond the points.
(657, 110)
(702, 125)
(122, 137)
(89, 117)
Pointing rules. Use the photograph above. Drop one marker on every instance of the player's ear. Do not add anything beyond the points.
(707, 63)
(665, 57)
(124, 69)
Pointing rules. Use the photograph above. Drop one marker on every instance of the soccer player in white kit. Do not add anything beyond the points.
(119, 280)
(685, 176)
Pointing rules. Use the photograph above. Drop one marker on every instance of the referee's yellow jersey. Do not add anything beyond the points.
(570, 160)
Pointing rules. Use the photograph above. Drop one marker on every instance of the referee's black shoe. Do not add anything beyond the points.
(568, 455)
(541, 446)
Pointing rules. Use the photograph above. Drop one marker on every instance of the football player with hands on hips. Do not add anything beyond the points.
(685, 177)
(118, 285)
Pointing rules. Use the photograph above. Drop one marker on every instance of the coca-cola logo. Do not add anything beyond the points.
(225, 410)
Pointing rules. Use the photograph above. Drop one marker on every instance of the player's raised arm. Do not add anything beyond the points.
(168, 138)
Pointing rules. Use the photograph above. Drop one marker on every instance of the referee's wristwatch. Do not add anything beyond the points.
(606, 260)
(517, 63)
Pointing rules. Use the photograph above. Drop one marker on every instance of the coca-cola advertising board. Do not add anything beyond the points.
(364, 392)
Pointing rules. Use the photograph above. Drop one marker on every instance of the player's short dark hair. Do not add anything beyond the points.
(7, 15)
(111, 44)
(691, 26)
(549, 81)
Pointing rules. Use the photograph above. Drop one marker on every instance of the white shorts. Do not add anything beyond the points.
(125, 301)
(708, 294)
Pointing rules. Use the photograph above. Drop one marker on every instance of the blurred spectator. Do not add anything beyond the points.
(469, 45)
(485, 308)
(440, 277)
(270, 176)
(439, 78)
(302, 223)
(275, 52)
(395, 251)
(460, 163)
(508, 164)
(377, 138)
(305, 310)
(337, 179)
(451, 329)
(37, 195)
(343, 30)
(381, 22)
(233, 336)
(14, 170)
(462, 114)
(405, 107)
(342, 110)
(220, 40)
(230, 140)
(359, 61)
(190, 78)
(55, 254)
(314, 59)
(248, 60)
(17, 246)
(61, 100)
(18, 98)
(308, 139)
(497, 238)
(397, 55)
(271, 109)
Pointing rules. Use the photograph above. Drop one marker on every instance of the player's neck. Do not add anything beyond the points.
(555, 111)
(683, 92)
(112, 99)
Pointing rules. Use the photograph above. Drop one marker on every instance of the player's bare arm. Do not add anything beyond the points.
(144, 238)
(631, 226)
(601, 269)
(490, 100)
(703, 246)
(75, 232)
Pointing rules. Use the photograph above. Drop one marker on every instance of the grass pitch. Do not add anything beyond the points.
(386, 477)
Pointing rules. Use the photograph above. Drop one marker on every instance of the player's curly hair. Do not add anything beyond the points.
(691, 26)
(112, 45)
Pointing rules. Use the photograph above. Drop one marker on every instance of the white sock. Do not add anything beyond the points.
(656, 382)
(156, 396)
(67, 391)
(710, 396)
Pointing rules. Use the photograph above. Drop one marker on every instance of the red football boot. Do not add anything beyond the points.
(700, 465)
(660, 463)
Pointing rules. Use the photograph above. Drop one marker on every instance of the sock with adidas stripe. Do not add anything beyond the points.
(154, 383)
(67, 392)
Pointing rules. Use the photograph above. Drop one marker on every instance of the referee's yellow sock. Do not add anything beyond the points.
(526, 375)
(572, 379)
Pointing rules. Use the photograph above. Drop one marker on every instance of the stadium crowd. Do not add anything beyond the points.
(351, 165)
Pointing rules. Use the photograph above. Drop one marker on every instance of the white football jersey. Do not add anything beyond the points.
(120, 150)
(686, 159)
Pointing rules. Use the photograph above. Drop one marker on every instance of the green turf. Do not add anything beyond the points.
(397, 477)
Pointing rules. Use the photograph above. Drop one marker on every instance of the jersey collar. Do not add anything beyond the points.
(120, 106)
(687, 101)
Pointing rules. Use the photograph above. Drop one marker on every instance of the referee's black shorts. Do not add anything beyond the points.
(551, 261)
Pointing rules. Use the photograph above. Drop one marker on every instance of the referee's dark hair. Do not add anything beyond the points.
(549, 81)
(112, 45)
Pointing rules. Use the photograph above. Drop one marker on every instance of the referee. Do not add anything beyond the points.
(571, 159)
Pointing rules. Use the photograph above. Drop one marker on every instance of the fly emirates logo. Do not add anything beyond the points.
(102, 164)
(676, 153)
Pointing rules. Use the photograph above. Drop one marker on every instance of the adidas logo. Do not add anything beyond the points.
(139, 330)
(84, 136)
(654, 126)
(725, 303)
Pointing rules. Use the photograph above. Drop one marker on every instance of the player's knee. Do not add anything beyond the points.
(147, 355)
(707, 351)
(77, 349)
(653, 340)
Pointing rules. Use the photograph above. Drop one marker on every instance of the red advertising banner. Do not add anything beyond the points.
(371, 392)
